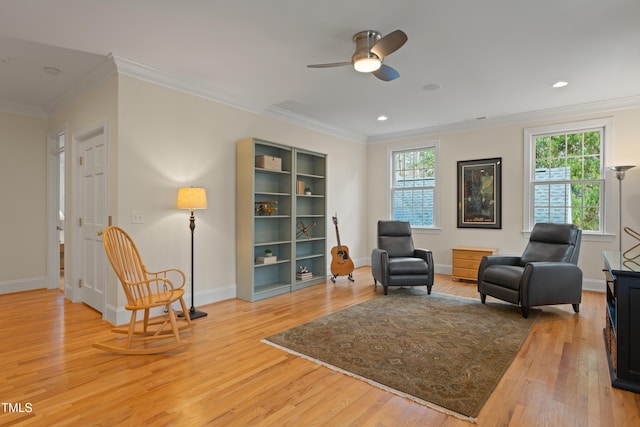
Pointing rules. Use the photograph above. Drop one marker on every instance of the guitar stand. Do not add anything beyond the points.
(350, 277)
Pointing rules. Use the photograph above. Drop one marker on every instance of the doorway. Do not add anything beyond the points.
(61, 204)
(57, 208)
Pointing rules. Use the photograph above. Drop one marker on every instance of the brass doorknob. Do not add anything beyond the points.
(99, 232)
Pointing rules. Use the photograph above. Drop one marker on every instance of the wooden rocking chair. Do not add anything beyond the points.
(144, 290)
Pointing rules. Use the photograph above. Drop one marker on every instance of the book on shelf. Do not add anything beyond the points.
(266, 259)
(304, 276)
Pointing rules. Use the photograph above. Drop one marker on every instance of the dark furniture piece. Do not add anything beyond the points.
(622, 326)
(396, 262)
(545, 274)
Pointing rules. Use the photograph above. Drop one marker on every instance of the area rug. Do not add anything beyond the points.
(444, 352)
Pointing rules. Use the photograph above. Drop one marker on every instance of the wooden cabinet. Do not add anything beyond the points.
(271, 215)
(622, 325)
(466, 260)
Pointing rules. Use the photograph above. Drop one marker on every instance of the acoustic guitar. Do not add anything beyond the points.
(341, 263)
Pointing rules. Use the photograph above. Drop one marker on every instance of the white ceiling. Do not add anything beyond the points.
(491, 58)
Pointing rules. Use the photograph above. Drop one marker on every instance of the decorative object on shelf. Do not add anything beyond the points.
(269, 162)
(303, 273)
(629, 259)
(307, 191)
(620, 173)
(300, 187)
(268, 258)
(480, 193)
(341, 263)
(266, 208)
(192, 198)
(305, 230)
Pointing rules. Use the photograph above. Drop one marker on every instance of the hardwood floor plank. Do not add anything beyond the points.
(225, 376)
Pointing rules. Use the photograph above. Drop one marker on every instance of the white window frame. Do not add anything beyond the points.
(607, 198)
(435, 145)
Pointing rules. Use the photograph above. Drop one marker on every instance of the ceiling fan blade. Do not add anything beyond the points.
(386, 73)
(333, 64)
(389, 43)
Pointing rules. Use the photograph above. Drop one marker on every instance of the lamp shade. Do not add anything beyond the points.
(191, 198)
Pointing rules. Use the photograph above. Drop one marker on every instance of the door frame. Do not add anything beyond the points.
(53, 207)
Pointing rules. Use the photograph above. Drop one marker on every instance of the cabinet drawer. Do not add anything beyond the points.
(464, 273)
(457, 254)
(467, 263)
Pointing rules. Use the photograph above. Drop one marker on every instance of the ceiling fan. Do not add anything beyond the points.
(371, 49)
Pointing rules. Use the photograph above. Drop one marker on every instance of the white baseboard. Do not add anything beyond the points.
(20, 285)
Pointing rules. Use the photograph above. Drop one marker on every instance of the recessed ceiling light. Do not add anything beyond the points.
(559, 84)
(431, 87)
(382, 118)
(52, 70)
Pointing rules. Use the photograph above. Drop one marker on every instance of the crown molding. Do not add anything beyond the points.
(604, 106)
(103, 71)
(204, 90)
(310, 123)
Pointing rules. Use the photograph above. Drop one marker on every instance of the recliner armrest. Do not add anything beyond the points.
(488, 260)
(540, 283)
(426, 255)
(379, 264)
(500, 259)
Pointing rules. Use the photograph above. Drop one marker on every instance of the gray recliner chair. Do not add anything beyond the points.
(396, 262)
(547, 272)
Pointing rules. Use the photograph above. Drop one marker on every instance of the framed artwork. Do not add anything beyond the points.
(480, 193)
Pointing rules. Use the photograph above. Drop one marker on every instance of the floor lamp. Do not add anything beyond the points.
(620, 172)
(192, 198)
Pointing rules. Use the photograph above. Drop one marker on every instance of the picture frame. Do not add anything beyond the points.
(480, 193)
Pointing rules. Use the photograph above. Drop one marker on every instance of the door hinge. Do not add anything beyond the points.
(80, 221)
(79, 283)
(81, 160)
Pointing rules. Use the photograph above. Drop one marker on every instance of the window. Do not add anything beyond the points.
(413, 185)
(565, 175)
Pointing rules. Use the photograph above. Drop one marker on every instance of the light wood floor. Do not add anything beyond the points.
(226, 377)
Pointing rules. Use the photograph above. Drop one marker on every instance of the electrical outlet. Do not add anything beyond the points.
(137, 217)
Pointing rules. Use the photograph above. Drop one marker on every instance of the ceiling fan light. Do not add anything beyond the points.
(367, 65)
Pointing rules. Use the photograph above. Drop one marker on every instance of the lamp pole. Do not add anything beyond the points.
(193, 313)
(620, 173)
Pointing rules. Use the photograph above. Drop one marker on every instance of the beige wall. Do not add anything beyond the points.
(23, 189)
(507, 142)
(169, 139)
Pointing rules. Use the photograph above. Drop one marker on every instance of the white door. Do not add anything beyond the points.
(92, 216)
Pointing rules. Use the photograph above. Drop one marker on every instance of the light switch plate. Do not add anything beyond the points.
(137, 217)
